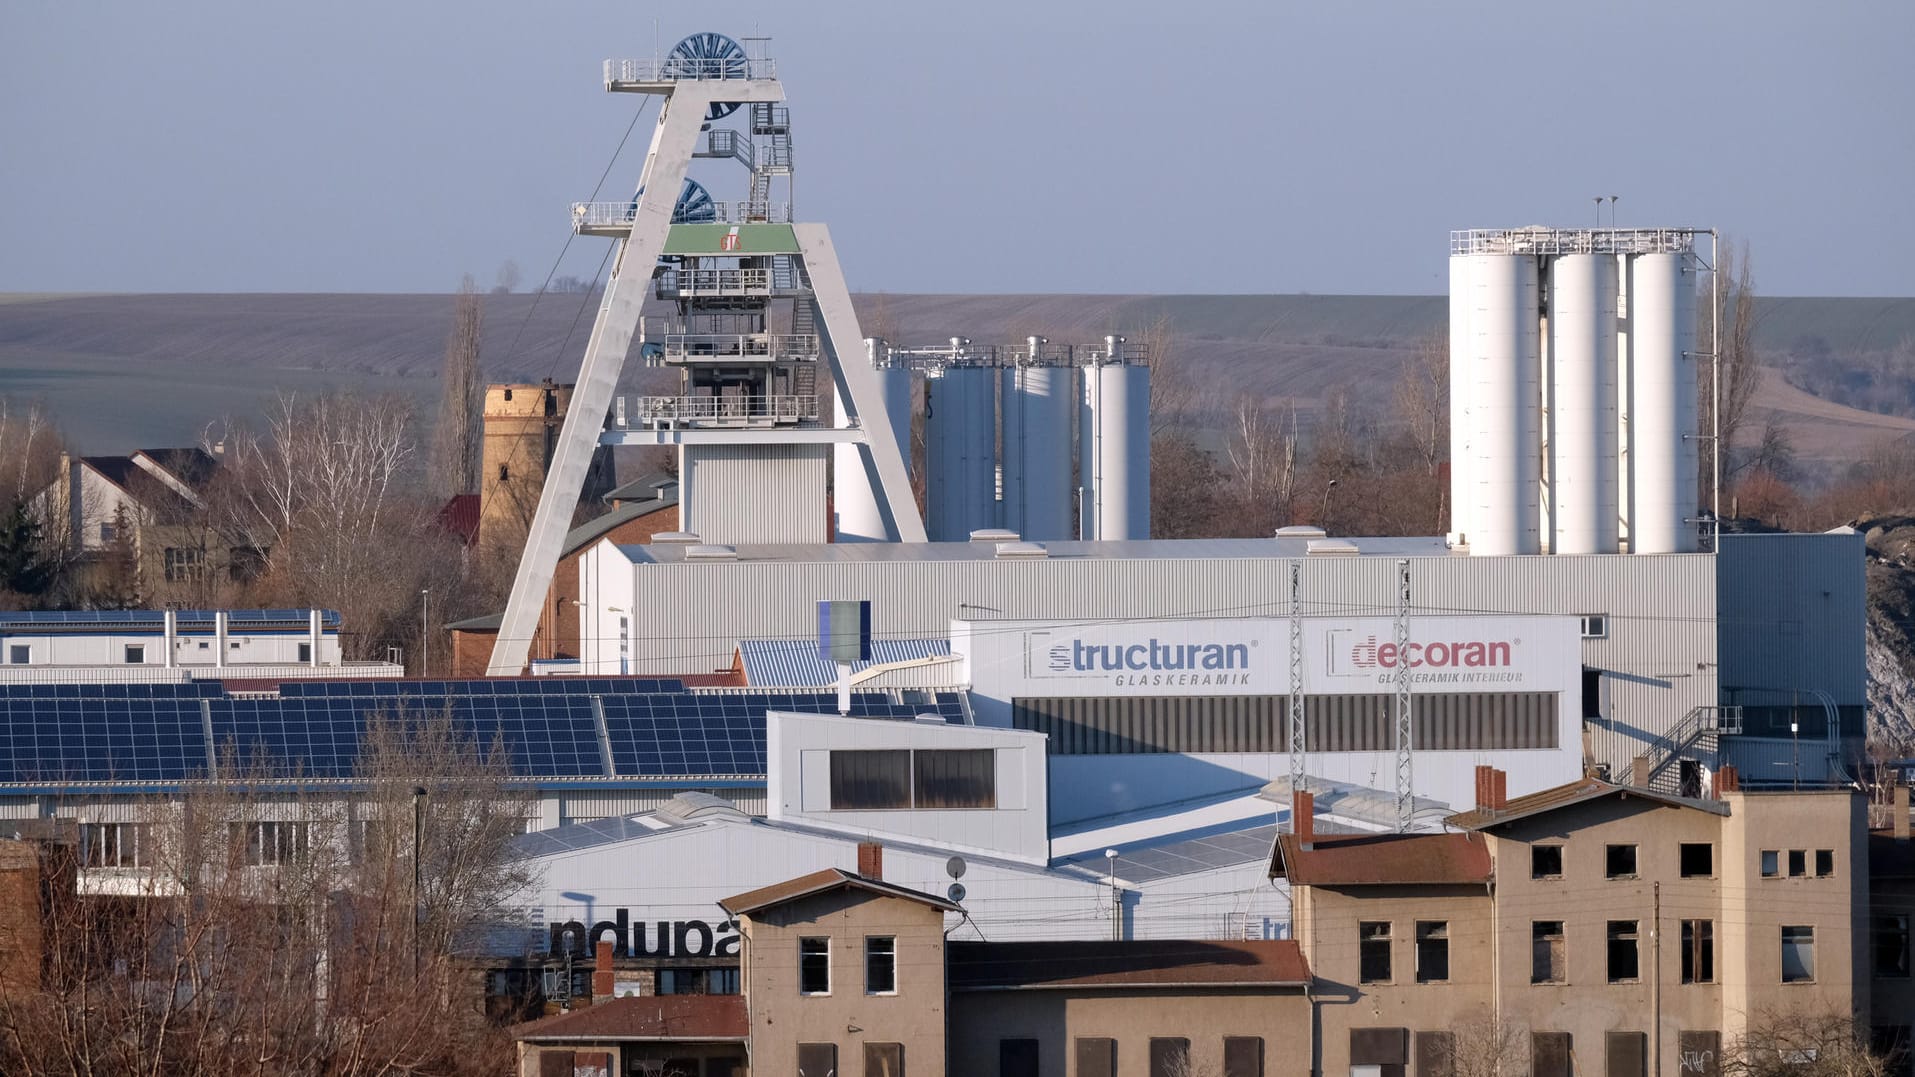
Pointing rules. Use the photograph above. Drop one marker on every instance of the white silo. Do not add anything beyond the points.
(1582, 427)
(1665, 453)
(1497, 494)
(1114, 426)
(960, 431)
(1043, 451)
(1011, 457)
(1625, 402)
(1462, 433)
(853, 489)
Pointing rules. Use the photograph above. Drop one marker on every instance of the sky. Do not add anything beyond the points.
(987, 146)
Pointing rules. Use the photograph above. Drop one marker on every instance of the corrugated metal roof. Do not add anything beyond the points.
(651, 1017)
(1383, 860)
(1140, 550)
(794, 663)
(1010, 966)
(819, 882)
(1576, 792)
(1221, 846)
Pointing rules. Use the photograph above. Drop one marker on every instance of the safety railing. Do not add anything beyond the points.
(1700, 722)
(589, 216)
(675, 283)
(687, 69)
(739, 345)
(670, 412)
(1574, 240)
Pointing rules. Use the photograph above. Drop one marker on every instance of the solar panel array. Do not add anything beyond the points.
(68, 733)
(132, 620)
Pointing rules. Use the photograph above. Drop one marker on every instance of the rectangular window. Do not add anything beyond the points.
(108, 533)
(814, 966)
(1888, 938)
(1698, 951)
(884, 1060)
(1824, 863)
(1017, 1058)
(870, 780)
(245, 564)
(182, 564)
(305, 653)
(698, 981)
(268, 843)
(1625, 1054)
(1549, 1054)
(135, 654)
(1373, 951)
(1699, 1053)
(1432, 951)
(1798, 863)
(116, 845)
(1096, 1057)
(1595, 626)
(1435, 1054)
(1242, 1056)
(19, 654)
(1798, 955)
(1545, 861)
(1169, 1056)
(954, 778)
(1548, 960)
(1625, 965)
(818, 1060)
(1770, 864)
(880, 965)
(1698, 859)
(1619, 861)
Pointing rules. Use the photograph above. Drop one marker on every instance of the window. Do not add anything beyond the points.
(182, 564)
(135, 654)
(1242, 1056)
(1169, 1056)
(116, 845)
(880, 965)
(1770, 864)
(1373, 951)
(1699, 1052)
(1549, 1054)
(1096, 1057)
(1619, 862)
(1435, 1054)
(1545, 861)
(1547, 961)
(305, 653)
(1595, 626)
(275, 842)
(1798, 863)
(1888, 937)
(1432, 951)
(1798, 955)
(1824, 863)
(1698, 859)
(698, 981)
(1698, 952)
(503, 473)
(897, 778)
(108, 533)
(814, 966)
(818, 1060)
(245, 564)
(1017, 1058)
(1625, 965)
(19, 654)
(1592, 693)
(884, 1060)
(1625, 1054)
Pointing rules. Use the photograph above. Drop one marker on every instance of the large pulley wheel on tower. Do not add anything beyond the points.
(711, 56)
(694, 204)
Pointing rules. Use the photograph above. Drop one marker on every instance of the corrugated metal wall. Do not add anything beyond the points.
(1793, 616)
(1446, 721)
(758, 493)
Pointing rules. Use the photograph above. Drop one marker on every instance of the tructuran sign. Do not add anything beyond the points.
(659, 938)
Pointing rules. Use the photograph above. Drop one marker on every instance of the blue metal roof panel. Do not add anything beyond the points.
(791, 663)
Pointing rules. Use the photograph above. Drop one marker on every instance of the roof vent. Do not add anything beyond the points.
(675, 538)
(1332, 548)
(930, 716)
(710, 552)
(1301, 531)
(994, 534)
(1013, 551)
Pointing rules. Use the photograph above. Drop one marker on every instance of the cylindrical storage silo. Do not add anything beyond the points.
(1115, 451)
(1011, 456)
(1503, 465)
(1462, 433)
(960, 433)
(854, 490)
(1665, 454)
(1583, 449)
(1041, 398)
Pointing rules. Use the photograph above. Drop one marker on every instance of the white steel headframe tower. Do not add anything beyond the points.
(733, 251)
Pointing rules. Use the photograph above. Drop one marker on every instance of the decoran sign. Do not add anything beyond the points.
(1446, 654)
(660, 938)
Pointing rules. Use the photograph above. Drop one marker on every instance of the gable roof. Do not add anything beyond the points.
(193, 467)
(1581, 791)
(599, 526)
(1382, 860)
(1028, 966)
(669, 1018)
(821, 882)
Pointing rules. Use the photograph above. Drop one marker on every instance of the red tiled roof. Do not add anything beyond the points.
(459, 517)
(648, 1017)
(1383, 860)
(1576, 792)
(819, 882)
(1012, 966)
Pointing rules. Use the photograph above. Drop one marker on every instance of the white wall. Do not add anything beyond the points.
(109, 648)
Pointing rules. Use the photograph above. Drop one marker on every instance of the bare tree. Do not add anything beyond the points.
(1173, 388)
(1481, 1045)
(1806, 1043)
(1423, 400)
(457, 437)
(509, 277)
(1262, 454)
(1734, 354)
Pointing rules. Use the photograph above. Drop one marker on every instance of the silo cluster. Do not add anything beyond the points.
(1573, 391)
(1049, 441)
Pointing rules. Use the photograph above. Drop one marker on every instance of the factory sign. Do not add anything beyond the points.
(1153, 658)
(638, 938)
(1445, 654)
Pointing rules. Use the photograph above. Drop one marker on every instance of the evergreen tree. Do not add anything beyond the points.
(24, 568)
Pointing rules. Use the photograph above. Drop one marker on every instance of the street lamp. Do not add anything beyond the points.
(1323, 506)
(418, 827)
(425, 637)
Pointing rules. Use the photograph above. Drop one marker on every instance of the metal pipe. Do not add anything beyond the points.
(1715, 390)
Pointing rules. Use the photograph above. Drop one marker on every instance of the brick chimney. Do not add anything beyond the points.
(1303, 817)
(1492, 789)
(871, 860)
(1728, 779)
(602, 981)
(1900, 802)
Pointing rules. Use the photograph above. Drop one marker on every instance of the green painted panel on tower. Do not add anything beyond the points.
(731, 239)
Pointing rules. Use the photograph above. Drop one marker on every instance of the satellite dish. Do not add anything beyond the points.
(954, 867)
(956, 892)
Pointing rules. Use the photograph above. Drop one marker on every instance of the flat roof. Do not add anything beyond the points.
(1140, 550)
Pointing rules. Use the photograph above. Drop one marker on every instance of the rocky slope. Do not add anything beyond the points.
(1891, 631)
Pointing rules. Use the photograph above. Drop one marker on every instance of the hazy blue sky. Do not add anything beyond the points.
(982, 146)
